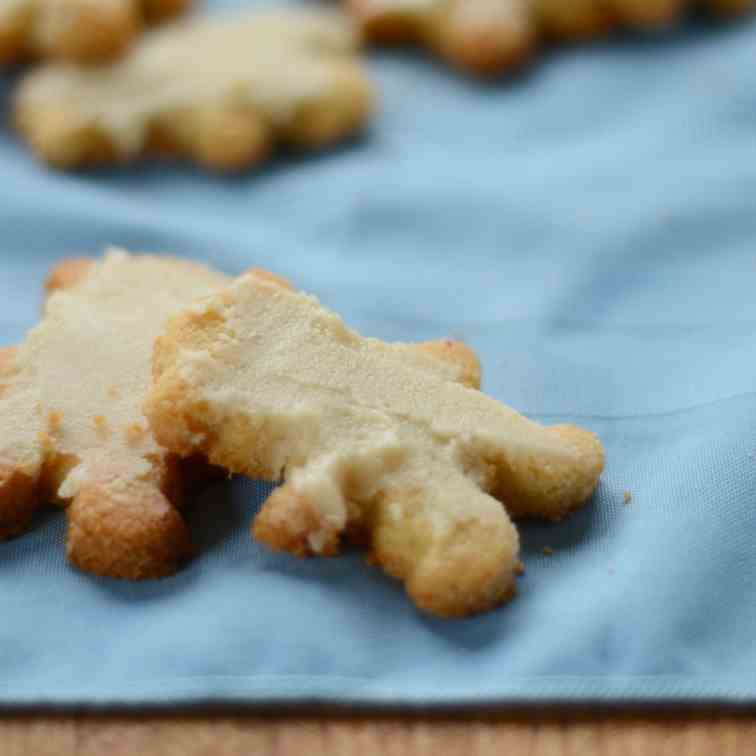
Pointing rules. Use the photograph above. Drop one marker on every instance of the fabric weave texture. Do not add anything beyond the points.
(590, 229)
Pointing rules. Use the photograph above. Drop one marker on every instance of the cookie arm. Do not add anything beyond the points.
(484, 37)
(548, 489)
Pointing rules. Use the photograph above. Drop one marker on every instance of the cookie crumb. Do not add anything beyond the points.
(519, 569)
(547, 550)
(627, 497)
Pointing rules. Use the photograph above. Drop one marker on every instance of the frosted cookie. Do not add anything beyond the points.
(81, 30)
(487, 37)
(73, 430)
(390, 442)
(221, 91)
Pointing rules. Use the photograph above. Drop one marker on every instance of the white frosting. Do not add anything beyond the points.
(271, 61)
(83, 372)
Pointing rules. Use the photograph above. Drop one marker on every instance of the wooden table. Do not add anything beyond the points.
(703, 733)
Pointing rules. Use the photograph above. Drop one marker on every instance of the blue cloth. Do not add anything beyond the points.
(590, 229)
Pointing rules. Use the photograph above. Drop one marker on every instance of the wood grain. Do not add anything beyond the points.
(531, 734)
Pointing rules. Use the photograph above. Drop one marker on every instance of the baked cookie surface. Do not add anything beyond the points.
(73, 430)
(486, 37)
(391, 443)
(80, 30)
(222, 91)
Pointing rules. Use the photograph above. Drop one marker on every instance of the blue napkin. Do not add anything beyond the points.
(591, 230)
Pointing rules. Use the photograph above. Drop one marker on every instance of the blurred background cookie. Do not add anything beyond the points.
(80, 30)
(221, 91)
(486, 37)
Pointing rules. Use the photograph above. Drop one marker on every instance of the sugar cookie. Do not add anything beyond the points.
(389, 441)
(486, 37)
(71, 415)
(222, 91)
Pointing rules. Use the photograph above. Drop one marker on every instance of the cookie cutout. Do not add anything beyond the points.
(73, 430)
(78, 30)
(221, 91)
(388, 442)
(487, 37)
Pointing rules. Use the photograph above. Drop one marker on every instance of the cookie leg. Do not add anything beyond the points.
(293, 522)
(221, 138)
(573, 21)
(58, 137)
(18, 499)
(647, 14)
(341, 109)
(485, 37)
(133, 533)
(454, 547)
